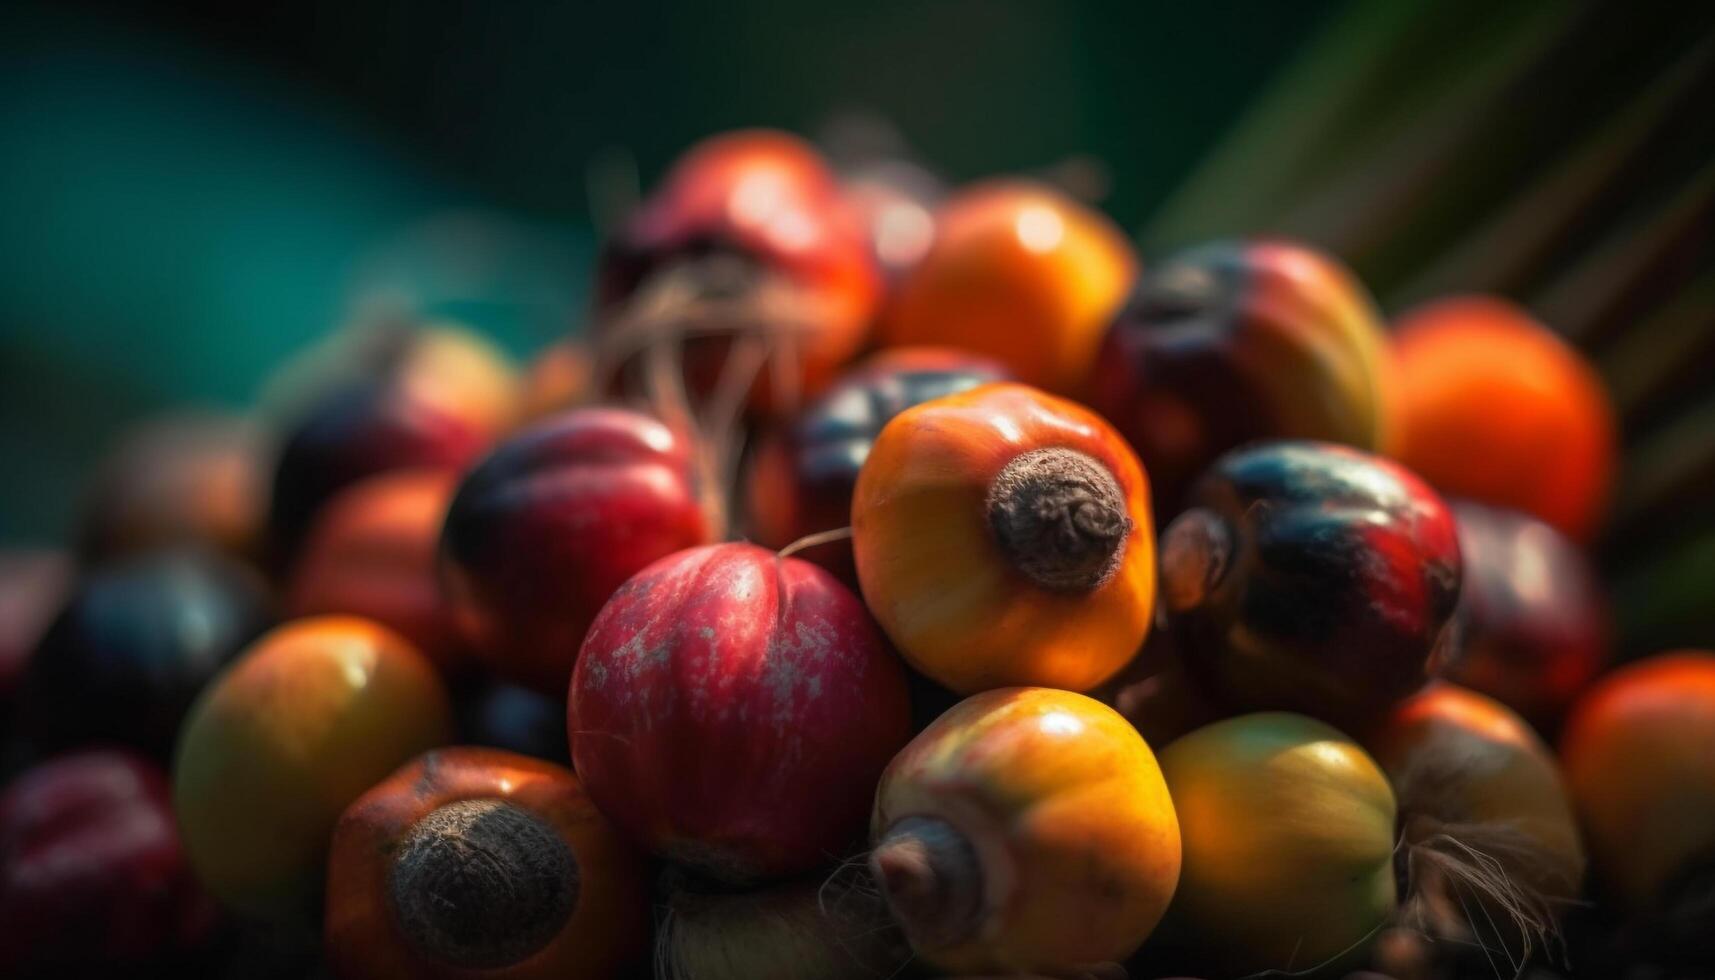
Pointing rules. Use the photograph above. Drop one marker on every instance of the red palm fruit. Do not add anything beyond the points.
(731, 710)
(753, 222)
(1236, 342)
(93, 880)
(1533, 619)
(1311, 577)
(552, 522)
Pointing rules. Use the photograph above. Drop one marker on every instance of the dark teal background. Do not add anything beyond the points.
(188, 195)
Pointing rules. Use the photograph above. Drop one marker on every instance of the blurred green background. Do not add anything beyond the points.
(189, 193)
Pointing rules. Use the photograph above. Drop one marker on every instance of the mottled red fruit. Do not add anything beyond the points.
(732, 710)
(802, 476)
(92, 877)
(542, 531)
(1311, 577)
(1533, 618)
(357, 432)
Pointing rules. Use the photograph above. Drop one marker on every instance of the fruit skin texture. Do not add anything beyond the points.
(1066, 810)
(769, 201)
(936, 574)
(543, 531)
(94, 880)
(1237, 342)
(1533, 619)
(802, 478)
(1465, 765)
(1494, 406)
(1018, 272)
(133, 645)
(1311, 577)
(604, 927)
(306, 720)
(731, 711)
(373, 551)
(1289, 838)
(1636, 755)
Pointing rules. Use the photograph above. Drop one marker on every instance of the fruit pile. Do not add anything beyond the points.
(893, 580)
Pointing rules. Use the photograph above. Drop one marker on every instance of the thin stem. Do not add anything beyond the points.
(812, 540)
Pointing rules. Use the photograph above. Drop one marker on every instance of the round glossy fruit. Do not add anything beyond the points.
(1236, 342)
(552, 522)
(372, 551)
(306, 720)
(1636, 751)
(1485, 823)
(1533, 620)
(1018, 272)
(801, 478)
(731, 711)
(1492, 405)
(749, 229)
(473, 862)
(1289, 838)
(1311, 577)
(93, 881)
(1003, 537)
(354, 433)
(1025, 830)
(134, 643)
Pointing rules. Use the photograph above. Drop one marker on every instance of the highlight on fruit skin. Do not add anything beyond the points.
(1288, 845)
(305, 720)
(1311, 577)
(372, 551)
(731, 710)
(1494, 406)
(1003, 537)
(1533, 619)
(1237, 342)
(473, 862)
(545, 528)
(1018, 272)
(746, 250)
(1025, 830)
(1491, 849)
(802, 476)
(1636, 754)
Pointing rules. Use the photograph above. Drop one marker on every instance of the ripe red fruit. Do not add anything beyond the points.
(542, 531)
(94, 875)
(731, 710)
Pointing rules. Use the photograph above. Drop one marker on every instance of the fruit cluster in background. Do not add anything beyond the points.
(892, 580)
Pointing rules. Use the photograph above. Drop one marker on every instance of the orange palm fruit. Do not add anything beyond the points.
(1493, 406)
(1637, 756)
(473, 862)
(1018, 272)
(1289, 839)
(308, 718)
(1003, 537)
(1026, 829)
(1490, 841)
